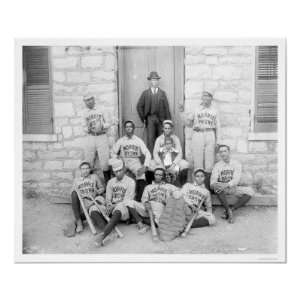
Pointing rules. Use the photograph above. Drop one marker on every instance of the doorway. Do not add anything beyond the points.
(134, 65)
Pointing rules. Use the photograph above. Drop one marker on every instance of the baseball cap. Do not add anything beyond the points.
(170, 122)
(116, 164)
(198, 170)
(88, 97)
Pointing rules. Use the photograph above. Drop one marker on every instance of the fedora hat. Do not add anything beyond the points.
(153, 75)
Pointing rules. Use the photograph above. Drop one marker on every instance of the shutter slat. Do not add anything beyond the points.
(37, 109)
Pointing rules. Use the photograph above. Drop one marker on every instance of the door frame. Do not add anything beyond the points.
(179, 84)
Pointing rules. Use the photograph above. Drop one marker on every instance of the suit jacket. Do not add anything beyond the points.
(144, 105)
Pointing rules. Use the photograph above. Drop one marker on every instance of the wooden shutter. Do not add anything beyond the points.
(266, 85)
(37, 97)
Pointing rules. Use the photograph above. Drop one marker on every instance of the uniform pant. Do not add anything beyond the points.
(99, 144)
(203, 149)
(153, 131)
(202, 215)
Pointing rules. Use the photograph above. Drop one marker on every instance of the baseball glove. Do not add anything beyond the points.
(96, 127)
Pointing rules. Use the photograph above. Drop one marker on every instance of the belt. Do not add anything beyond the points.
(204, 129)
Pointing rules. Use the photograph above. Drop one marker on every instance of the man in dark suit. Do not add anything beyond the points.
(153, 109)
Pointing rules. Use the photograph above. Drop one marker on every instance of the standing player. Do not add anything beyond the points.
(178, 161)
(119, 202)
(225, 178)
(95, 125)
(89, 186)
(206, 131)
(131, 148)
(196, 194)
(153, 109)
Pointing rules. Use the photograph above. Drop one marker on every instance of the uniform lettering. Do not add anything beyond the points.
(118, 193)
(225, 175)
(131, 150)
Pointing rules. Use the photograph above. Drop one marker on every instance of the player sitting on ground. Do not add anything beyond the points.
(225, 180)
(90, 187)
(119, 203)
(195, 194)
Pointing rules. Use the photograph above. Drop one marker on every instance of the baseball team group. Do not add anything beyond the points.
(146, 183)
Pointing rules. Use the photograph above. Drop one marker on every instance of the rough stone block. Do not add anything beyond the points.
(231, 131)
(109, 98)
(34, 146)
(242, 146)
(78, 131)
(258, 146)
(98, 88)
(193, 50)
(194, 59)
(67, 132)
(228, 96)
(210, 85)
(212, 60)
(35, 176)
(244, 96)
(37, 165)
(65, 62)
(75, 121)
(58, 51)
(78, 77)
(63, 109)
(28, 155)
(52, 154)
(63, 175)
(246, 179)
(74, 50)
(75, 143)
(62, 89)
(247, 50)
(103, 75)
(193, 89)
(53, 165)
(95, 61)
(202, 71)
(59, 76)
(54, 146)
(235, 59)
(227, 72)
(215, 51)
(75, 154)
(72, 164)
(61, 121)
(110, 63)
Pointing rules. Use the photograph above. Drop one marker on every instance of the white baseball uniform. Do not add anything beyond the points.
(206, 129)
(130, 150)
(93, 120)
(230, 173)
(120, 193)
(157, 194)
(193, 195)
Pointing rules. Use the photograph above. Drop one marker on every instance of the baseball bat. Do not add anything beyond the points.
(153, 228)
(190, 223)
(87, 216)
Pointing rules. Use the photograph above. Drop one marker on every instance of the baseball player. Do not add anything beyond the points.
(95, 125)
(155, 195)
(130, 149)
(196, 194)
(119, 202)
(90, 187)
(178, 162)
(206, 131)
(225, 180)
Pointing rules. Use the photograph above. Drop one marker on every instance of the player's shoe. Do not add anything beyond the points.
(230, 216)
(225, 215)
(99, 240)
(142, 228)
(79, 226)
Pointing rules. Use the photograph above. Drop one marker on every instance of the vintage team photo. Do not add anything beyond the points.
(151, 151)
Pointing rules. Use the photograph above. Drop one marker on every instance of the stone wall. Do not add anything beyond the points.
(227, 72)
(50, 167)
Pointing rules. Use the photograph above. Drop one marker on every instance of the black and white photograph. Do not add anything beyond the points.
(151, 150)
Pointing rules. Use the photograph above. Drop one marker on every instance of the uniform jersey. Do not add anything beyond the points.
(93, 118)
(132, 147)
(160, 142)
(167, 156)
(157, 194)
(226, 172)
(205, 118)
(88, 186)
(194, 194)
(120, 190)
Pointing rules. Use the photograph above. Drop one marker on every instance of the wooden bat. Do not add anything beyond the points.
(190, 223)
(106, 217)
(87, 216)
(153, 228)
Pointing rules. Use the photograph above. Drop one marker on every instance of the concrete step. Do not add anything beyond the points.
(257, 199)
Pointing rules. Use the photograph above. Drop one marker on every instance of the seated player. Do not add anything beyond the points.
(195, 195)
(119, 203)
(225, 180)
(90, 187)
(130, 149)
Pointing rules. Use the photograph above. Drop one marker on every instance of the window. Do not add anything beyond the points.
(37, 95)
(266, 86)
